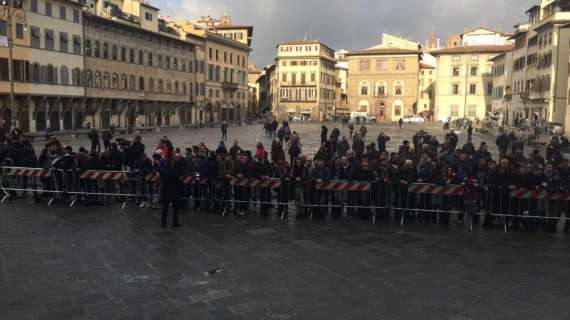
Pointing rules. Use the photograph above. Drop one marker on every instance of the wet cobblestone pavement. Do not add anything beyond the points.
(103, 263)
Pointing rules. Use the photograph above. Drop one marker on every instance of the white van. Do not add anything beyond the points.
(362, 117)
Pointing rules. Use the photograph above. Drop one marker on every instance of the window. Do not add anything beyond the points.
(167, 60)
(293, 78)
(35, 41)
(97, 49)
(151, 85)
(400, 65)
(150, 59)
(115, 81)
(472, 110)
(381, 65)
(455, 89)
(454, 110)
(472, 89)
(141, 57)
(132, 55)
(455, 71)
(397, 109)
(64, 75)
(63, 42)
(175, 64)
(364, 88)
(132, 83)
(49, 40)
(114, 52)
(210, 53)
(217, 55)
(62, 13)
(283, 77)
(232, 58)
(48, 9)
(20, 73)
(35, 73)
(398, 88)
(474, 57)
(97, 83)
(141, 83)
(19, 31)
(490, 89)
(123, 54)
(3, 28)
(364, 65)
(148, 16)
(474, 71)
(4, 69)
(456, 58)
(76, 77)
(76, 16)
(313, 77)
(76, 44)
(380, 89)
(124, 82)
(105, 50)
(225, 57)
(34, 6)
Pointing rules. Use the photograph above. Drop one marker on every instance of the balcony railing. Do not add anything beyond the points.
(229, 86)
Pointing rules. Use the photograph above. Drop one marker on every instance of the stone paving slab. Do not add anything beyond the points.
(103, 263)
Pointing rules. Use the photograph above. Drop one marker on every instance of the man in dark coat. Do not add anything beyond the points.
(172, 191)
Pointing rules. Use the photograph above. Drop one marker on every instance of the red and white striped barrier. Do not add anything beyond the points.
(153, 177)
(344, 185)
(539, 195)
(435, 189)
(26, 172)
(104, 175)
(258, 183)
(193, 180)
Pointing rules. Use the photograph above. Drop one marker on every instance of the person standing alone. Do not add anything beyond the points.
(224, 129)
(172, 190)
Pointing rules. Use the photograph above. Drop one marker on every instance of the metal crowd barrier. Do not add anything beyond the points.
(373, 200)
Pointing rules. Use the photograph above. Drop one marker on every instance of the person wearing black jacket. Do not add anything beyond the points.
(172, 191)
(324, 134)
(382, 140)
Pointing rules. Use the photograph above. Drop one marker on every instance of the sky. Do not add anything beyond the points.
(351, 24)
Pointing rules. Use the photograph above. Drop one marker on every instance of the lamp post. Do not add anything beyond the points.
(10, 41)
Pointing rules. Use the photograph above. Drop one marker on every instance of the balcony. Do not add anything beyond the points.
(115, 12)
(538, 95)
(229, 86)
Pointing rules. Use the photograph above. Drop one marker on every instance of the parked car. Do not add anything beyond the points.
(413, 119)
(555, 128)
(362, 117)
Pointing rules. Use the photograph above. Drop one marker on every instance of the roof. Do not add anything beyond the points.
(230, 26)
(500, 55)
(517, 34)
(488, 29)
(536, 6)
(302, 42)
(147, 4)
(426, 66)
(379, 51)
(474, 49)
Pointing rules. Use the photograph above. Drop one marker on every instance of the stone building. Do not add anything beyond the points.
(306, 85)
(383, 80)
(464, 82)
(137, 73)
(47, 65)
(225, 74)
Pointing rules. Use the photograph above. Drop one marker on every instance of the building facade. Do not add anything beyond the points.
(502, 108)
(464, 81)
(306, 84)
(254, 109)
(383, 80)
(426, 91)
(540, 64)
(47, 65)
(137, 75)
(341, 95)
(226, 91)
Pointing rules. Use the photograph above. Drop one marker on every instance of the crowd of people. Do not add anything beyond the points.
(422, 159)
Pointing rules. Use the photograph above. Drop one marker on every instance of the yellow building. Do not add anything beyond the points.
(226, 95)
(383, 80)
(305, 71)
(426, 95)
(464, 81)
(48, 65)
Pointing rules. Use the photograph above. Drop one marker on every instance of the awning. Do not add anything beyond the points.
(305, 111)
(291, 111)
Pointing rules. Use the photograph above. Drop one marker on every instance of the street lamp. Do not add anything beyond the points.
(11, 4)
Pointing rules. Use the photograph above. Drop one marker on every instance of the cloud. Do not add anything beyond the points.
(351, 24)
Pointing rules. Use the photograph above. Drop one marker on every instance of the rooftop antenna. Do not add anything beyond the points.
(311, 34)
